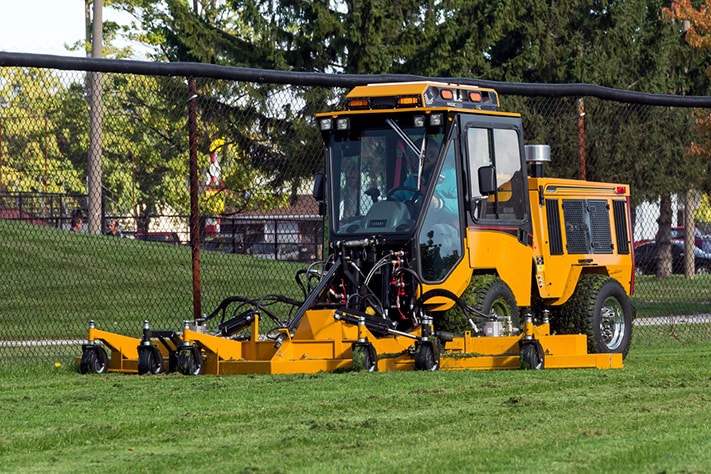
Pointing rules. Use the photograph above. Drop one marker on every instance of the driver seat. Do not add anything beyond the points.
(386, 216)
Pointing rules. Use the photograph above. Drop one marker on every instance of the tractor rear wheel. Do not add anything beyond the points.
(600, 309)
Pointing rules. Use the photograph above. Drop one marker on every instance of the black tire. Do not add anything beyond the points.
(487, 294)
(600, 309)
(94, 360)
(365, 358)
(531, 356)
(189, 361)
(150, 360)
(497, 298)
(427, 357)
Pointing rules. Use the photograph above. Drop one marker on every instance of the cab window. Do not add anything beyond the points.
(498, 148)
(440, 237)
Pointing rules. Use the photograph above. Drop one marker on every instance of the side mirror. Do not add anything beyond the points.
(487, 180)
(319, 192)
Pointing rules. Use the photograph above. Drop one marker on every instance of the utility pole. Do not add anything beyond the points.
(94, 171)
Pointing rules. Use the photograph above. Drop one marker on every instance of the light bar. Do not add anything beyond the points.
(359, 103)
(410, 100)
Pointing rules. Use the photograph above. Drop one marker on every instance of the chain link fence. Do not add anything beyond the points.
(135, 254)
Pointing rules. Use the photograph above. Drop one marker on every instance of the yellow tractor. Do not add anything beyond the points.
(447, 249)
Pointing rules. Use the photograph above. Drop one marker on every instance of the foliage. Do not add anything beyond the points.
(269, 129)
(43, 157)
(619, 44)
(697, 25)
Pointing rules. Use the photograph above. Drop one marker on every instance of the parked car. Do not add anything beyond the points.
(223, 243)
(167, 237)
(274, 251)
(645, 259)
(678, 234)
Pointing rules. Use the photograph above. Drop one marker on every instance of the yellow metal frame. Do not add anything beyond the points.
(324, 344)
(123, 357)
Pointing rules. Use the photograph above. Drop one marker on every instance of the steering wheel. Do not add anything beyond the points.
(412, 203)
(410, 189)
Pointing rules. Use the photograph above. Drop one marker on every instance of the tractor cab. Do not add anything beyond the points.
(395, 184)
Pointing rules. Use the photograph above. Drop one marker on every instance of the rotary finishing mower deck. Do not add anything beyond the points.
(328, 339)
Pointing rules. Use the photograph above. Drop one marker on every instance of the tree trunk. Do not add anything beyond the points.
(690, 205)
(664, 260)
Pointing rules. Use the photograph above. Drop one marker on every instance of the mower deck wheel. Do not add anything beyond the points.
(94, 360)
(365, 358)
(427, 357)
(189, 361)
(149, 360)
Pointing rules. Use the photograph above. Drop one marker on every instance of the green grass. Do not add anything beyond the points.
(651, 416)
(675, 295)
(53, 282)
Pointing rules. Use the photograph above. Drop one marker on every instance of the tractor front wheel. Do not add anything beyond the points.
(487, 294)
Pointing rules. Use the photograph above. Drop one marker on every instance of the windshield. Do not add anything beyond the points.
(379, 177)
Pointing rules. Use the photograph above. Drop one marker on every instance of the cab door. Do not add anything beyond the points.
(498, 223)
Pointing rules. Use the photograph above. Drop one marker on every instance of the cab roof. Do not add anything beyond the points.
(421, 95)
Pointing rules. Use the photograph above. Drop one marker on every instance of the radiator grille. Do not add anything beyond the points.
(576, 229)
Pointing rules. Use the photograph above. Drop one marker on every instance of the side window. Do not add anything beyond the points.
(440, 237)
(500, 148)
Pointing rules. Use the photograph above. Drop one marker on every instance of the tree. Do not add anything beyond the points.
(696, 24)
(261, 124)
(34, 158)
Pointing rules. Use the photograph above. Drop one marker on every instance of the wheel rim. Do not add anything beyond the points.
(612, 323)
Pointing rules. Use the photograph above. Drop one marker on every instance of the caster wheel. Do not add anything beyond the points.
(427, 357)
(189, 361)
(531, 357)
(150, 360)
(94, 360)
(365, 358)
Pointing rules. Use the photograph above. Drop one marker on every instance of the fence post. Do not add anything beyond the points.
(194, 208)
